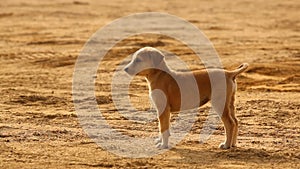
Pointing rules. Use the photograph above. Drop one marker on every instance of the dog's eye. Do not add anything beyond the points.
(137, 60)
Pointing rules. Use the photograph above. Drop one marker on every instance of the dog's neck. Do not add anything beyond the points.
(154, 74)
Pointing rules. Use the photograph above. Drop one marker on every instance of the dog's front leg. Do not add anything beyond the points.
(164, 128)
(163, 113)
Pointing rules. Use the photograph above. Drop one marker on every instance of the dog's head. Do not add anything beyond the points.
(144, 60)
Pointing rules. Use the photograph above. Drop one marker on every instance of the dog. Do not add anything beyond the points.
(166, 94)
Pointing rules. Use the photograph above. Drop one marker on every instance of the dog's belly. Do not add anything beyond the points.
(176, 104)
(176, 108)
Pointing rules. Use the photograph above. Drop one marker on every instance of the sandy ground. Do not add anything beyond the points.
(39, 44)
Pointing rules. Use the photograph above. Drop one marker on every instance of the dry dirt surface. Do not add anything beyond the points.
(41, 40)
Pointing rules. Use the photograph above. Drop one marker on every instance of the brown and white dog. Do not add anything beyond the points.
(150, 63)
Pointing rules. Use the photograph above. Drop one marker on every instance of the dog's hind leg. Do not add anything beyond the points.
(224, 112)
(232, 113)
(229, 125)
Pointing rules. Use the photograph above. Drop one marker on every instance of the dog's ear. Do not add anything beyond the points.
(157, 59)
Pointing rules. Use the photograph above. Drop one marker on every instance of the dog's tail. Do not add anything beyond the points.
(239, 70)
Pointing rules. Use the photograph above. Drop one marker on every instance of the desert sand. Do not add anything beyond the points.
(41, 40)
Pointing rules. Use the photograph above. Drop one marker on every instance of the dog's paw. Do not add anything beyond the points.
(158, 140)
(162, 146)
(224, 146)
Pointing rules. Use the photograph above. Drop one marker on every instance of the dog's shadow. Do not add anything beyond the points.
(218, 157)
